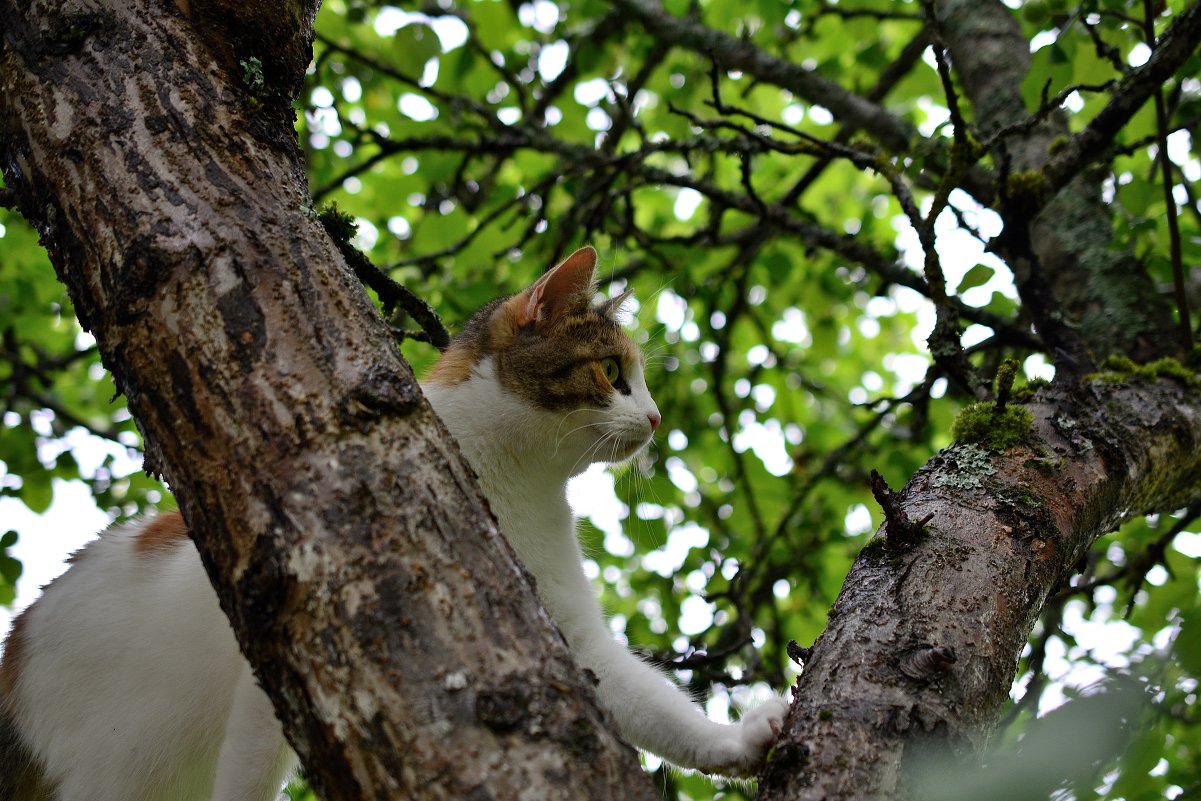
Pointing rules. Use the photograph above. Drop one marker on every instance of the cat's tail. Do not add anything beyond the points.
(21, 777)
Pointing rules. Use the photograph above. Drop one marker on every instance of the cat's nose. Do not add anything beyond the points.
(655, 419)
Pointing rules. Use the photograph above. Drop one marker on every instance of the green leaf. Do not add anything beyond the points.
(1050, 71)
(37, 492)
(10, 569)
(1187, 645)
(414, 45)
(977, 276)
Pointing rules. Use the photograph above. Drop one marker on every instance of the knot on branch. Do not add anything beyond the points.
(927, 662)
(900, 533)
(539, 705)
(798, 653)
(503, 708)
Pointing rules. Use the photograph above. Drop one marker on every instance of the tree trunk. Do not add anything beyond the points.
(1103, 288)
(923, 641)
(152, 146)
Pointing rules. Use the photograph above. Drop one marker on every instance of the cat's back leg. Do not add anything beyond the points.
(124, 671)
(255, 758)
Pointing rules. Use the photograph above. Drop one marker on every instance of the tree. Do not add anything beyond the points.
(745, 167)
(333, 512)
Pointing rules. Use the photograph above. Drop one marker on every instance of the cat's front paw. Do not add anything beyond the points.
(750, 738)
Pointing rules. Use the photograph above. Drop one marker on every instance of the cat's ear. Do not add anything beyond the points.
(565, 288)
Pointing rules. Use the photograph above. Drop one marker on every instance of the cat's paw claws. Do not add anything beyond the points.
(754, 734)
(770, 713)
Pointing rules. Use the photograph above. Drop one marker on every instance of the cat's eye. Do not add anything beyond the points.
(611, 369)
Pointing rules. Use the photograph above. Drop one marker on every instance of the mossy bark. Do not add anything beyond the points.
(1096, 285)
(1002, 534)
(346, 537)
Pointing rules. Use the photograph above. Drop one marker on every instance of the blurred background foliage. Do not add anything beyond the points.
(778, 297)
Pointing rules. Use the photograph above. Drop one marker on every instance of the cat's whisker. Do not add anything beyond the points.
(585, 457)
(654, 353)
(559, 442)
(569, 432)
(563, 419)
(560, 439)
(596, 446)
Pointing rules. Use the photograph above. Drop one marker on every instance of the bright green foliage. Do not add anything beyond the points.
(10, 568)
(52, 383)
(786, 369)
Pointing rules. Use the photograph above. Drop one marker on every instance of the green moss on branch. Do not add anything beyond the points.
(986, 425)
(1120, 369)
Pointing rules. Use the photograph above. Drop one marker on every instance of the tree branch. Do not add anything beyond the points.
(732, 53)
(1176, 45)
(1072, 279)
(996, 561)
(1165, 163)
(341, 228)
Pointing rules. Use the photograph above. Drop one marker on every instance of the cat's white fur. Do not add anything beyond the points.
(524, 457)
(132, 688)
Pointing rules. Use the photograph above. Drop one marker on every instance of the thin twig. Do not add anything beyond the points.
(1165, 162)
(1136, 568)
(391, 293)
(1176, 46)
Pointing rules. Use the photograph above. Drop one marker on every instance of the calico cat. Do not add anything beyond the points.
(124, 682)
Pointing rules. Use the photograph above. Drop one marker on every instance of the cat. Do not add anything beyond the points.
(124, 682)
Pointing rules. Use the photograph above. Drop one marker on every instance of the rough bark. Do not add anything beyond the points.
(923, 645)
(348, 541)
(1100, 287)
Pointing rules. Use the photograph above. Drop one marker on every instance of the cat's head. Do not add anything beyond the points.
(552, 370)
